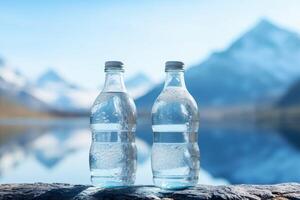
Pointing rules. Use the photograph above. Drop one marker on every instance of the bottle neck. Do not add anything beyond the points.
(175, 78)
(114, 82)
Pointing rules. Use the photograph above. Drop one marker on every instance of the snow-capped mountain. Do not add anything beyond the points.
(9, 78)
(54, 90)
(269, 48)
(52, 93)
(61, 95)
(14, 92)
(51, 79)
(256, 68)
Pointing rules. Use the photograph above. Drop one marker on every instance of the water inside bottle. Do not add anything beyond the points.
(175, 156)
(113, 152)
(112, 156)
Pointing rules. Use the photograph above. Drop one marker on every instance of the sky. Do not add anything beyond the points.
(76, 37)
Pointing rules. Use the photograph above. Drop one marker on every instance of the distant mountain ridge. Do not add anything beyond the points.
(254, 69)
(51, 93)
(52, 77)
(60, 94)
(14, 96)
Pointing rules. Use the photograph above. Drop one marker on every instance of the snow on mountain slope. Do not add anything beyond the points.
(10, 78)
(14, 89)
(52, 89)
(270, 47)
(52, 92)
(61, 95)
(51, 79)
(257, 68)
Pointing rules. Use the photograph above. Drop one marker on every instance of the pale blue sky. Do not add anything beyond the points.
(77, 37)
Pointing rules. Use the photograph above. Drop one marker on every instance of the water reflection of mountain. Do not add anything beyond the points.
(14, 146)
(56, 144)
(291, 134)
(249, 155)
(50, 145)
(237, 153)
(245, 153)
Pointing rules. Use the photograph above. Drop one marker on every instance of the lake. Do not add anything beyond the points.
(34, 150)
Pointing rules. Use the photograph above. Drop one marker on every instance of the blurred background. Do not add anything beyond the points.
(242, 66)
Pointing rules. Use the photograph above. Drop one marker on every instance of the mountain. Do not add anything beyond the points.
(51, 93)
(139, 84)
(61, 95)
(52, 79)
(254, 69)
(9, 78)
(15, 99)
(64, 96)
(291, 97)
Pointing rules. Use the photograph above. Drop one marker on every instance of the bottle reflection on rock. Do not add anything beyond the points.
(113, 122)
(175, 121)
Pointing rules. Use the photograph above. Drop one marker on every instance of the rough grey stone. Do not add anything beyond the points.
(45, 191)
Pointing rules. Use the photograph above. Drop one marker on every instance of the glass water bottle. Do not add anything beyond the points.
(175, 121)
(113, 122)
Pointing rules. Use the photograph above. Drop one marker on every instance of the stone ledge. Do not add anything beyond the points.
(56, 191)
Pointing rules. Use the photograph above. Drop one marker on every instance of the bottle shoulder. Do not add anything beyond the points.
(113, 107)
(175, 106)
(175, 96)
(118, 98)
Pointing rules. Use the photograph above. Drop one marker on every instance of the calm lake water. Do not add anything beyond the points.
(57, 151)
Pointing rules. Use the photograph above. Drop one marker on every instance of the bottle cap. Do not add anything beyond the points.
(114, 65)
(174, 65)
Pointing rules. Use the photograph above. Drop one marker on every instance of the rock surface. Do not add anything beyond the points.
(77, 192)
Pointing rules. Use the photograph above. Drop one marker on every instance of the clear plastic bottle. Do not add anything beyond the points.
(113, 122)
(175, 121)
